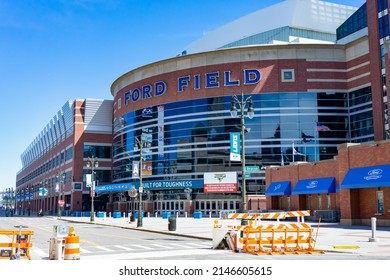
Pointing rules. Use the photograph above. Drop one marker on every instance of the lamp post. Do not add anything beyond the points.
(92, 163)
(251, 113)
(139, 145)
(61, 178)
(133, 194)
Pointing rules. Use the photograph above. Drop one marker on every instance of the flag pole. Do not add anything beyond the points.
(315, 141)
(293, 155)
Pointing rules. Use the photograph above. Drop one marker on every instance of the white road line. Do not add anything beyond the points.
(39, 252)
(84, 251)
(161, 246)
(104, 248)
(181, 245)
(142, 247)
(124, 248)
(200, 245)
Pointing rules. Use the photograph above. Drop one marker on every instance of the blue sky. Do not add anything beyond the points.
(52, 51)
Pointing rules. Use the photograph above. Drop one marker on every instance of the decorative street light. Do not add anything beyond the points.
(251, 113)
(92, 163)
(61, 179)
(139, 145)
(133, 194)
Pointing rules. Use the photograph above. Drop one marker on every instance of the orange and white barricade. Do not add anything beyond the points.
(271, 215)
(72, 246)
(279, 238)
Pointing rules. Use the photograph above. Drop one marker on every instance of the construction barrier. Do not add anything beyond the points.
(271, 216)
(265, 237)
(15, 243)
(72, 246)
(285, 238)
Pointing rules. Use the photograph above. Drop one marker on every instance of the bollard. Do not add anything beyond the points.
(210, 214)
(185, 214)
(155, 214)
(373, 231)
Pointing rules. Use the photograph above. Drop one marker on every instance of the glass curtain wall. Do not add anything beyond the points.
(185, 139)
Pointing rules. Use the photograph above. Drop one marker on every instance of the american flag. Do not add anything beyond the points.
(321, 127)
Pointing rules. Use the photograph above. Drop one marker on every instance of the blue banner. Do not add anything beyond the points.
(155, 185)
(235, 153)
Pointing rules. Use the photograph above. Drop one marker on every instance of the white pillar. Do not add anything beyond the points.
(373, 231)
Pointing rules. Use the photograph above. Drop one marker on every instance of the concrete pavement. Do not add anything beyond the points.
(330, 237)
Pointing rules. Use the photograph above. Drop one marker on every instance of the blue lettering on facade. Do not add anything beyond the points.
(183, 82)
(135, 95)
(251, 76)
(127, 97)
(160, 88)
(212, 80)
(197, 82)
(146, 91)
(228, 82)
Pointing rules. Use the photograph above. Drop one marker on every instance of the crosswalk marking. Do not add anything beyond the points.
(124, 248)
(104, 248)
(199, 245)
(84, 251)
(142, 247)
(131, 248)
(161, 246)
(181, 245)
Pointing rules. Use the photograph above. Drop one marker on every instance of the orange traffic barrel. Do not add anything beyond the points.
(72, 246)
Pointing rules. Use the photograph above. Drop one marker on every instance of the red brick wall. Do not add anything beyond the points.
(357, 206)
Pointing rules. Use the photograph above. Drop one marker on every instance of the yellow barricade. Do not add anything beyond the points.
(279, 238)
(15, 239)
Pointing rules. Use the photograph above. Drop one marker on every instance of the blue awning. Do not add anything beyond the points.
(279, 188)
(315, 186)
(367, 177)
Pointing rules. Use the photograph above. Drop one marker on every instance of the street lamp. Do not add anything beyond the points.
(251, 113)
(139, 145)
(61, 178)
(92, 163)
(133, 194)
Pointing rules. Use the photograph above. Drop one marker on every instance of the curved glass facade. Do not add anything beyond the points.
(182, 140)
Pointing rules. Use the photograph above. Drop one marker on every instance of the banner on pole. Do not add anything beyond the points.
(235, 154)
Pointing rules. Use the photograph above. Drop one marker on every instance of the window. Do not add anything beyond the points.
(379, 200)
(68, 154)
(97, 151)
(288, 75)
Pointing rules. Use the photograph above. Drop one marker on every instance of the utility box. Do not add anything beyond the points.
(60, 231)
(57, 244)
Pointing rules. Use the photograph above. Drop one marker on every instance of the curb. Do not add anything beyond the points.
(140, 229)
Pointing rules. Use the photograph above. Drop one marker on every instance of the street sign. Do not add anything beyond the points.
(61, 202)
(249, 169)
(254, 168)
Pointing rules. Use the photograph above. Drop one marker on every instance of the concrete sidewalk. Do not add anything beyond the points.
(330, 237)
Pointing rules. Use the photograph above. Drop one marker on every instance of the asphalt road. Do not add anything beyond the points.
(99, 242)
